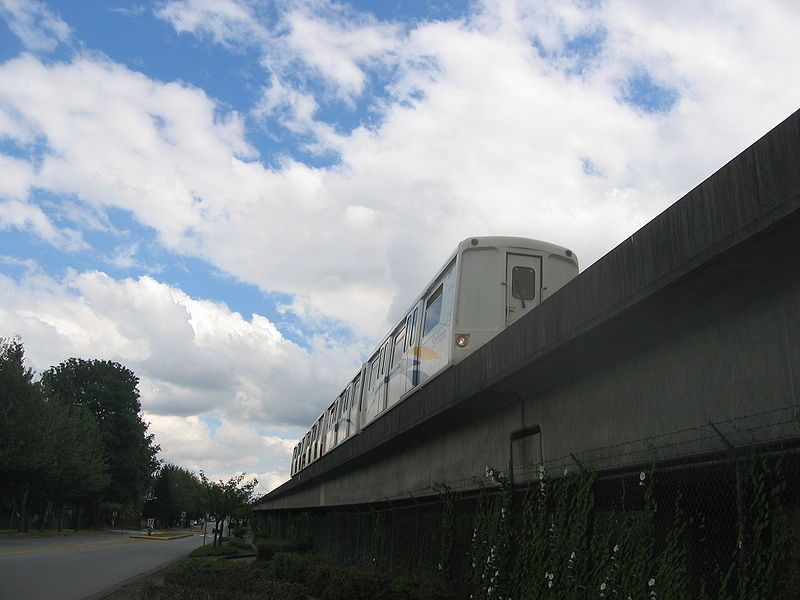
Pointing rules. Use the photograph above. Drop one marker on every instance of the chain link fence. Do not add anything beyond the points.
(614, 522)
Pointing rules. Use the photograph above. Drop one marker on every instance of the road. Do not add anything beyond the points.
(77, 566)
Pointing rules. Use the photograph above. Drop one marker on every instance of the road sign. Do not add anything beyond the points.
(183, 514)
(151, 523)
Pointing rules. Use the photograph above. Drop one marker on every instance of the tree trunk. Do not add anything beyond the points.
(23, 517)
(80, 515)
(61, 516)
(13, 511)
(47, 511)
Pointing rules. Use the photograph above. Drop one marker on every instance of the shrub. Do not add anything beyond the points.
(267, 548)
(270, 590)
(329, 582)
(204, 573)
(351, 584)
(419, 588)
(226, 580)
(297, 568)
(224, 550)
(238, 543)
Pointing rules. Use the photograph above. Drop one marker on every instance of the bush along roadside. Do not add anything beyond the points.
(267, 547)
(329, 582)
(289, 575)
(222, 580)
(209, 550)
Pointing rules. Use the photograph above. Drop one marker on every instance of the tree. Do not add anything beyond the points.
(176, 490)
(109, 392)
(222, 499)
(21, 453)
(50, 453)
(81, 470)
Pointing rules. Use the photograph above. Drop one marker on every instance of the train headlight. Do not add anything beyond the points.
(462, 340)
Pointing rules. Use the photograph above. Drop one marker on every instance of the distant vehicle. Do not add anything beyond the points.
(485, 286)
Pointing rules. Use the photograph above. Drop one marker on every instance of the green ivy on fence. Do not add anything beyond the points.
(557, 545)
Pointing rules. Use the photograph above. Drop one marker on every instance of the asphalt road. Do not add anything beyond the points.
(78, 566)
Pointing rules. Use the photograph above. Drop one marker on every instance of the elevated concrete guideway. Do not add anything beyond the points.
(695, 319)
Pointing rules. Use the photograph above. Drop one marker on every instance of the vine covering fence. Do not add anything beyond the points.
(723, 526)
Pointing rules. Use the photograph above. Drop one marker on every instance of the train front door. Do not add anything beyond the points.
(523, 284)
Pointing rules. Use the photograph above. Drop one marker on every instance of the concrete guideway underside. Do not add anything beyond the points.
(684, 338)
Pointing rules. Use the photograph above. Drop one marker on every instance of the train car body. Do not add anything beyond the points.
(485, 286)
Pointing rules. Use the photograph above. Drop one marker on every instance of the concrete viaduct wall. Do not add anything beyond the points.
(693, 319)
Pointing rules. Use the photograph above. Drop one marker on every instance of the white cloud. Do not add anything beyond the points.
(34, 24)
(192, 355)
(190, 442)
(337, 47)
(18, 211)
(490, 125)
(226, 22)
(486, 126)
(125, 257)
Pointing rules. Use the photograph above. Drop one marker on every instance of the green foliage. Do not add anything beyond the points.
(49, 451)
(238, 543)
(490, 550)
(109, 392)
(291, 566)
(411, 587)
(670, 579)
(329, 582)
(76, 442)
(268, 547)
(559, 546)
(176, 490)
(448, 527)
(378, 546)
(223, 580)
(22, 419)
(209, 550)
(222, 499)
(290, 576)
(553, 553)
(755, 572)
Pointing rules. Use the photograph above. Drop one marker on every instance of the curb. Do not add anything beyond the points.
(162, 538)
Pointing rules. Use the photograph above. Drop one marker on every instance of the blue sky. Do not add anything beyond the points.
(236, 198)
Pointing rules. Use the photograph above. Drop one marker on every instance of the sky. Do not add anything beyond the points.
(236, 199)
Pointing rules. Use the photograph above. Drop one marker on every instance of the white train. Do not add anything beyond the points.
(486, 285)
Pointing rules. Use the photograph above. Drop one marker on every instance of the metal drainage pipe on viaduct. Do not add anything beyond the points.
(681, 344)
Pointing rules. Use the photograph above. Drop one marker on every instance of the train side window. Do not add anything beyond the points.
(433, 311)
(399, 341)
(523, 283)
(411, 321)
(385, 356)
(373, 370)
